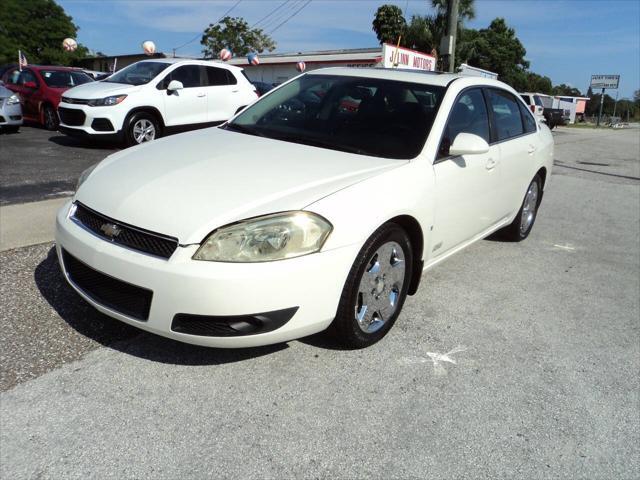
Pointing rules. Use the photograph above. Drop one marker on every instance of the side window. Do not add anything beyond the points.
(216, 76)
(526, 99)
(189, 75)
(219, 76)
(506, 114)
(469, 115)
(12, 77)
(527, 119)
(231, 78)
(27, 76)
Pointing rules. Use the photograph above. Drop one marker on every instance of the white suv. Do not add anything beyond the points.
(151, 97)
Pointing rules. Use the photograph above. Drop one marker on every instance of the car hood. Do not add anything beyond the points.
(190, 184)
(99, 90)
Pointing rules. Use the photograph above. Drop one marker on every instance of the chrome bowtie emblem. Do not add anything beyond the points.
(110, 230)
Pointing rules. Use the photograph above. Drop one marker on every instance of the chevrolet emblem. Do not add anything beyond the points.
(110, 230)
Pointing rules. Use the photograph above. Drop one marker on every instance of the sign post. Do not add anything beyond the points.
(604, 82)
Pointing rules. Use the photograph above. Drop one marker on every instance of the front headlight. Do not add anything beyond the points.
(106, 102)
(12, 100)
(264, 239)
(84, 175)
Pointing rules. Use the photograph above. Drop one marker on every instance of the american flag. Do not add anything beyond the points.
(22, 60)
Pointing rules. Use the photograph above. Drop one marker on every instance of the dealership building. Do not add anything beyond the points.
(278, 68)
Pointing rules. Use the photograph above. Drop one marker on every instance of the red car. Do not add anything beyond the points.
(40, 89)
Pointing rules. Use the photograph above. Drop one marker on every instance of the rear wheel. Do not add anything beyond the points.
(50, 118)
(376, 288)
(142, 127)
(521, 226)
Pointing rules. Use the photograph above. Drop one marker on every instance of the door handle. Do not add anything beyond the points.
(200, 95)
(235, 91)
(531, 149)
(491, 164)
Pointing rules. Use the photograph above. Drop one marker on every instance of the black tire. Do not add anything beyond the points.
(346, 328)
(516, 231)
(135, 121)
(50, 118)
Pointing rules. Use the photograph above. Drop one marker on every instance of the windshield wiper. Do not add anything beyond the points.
(234, 127)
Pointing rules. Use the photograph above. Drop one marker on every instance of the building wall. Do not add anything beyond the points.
(281, 72)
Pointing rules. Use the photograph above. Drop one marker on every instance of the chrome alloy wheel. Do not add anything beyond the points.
(143, 131)
(529, 208)
(380, 287)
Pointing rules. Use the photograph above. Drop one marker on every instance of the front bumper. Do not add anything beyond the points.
(86, 118)
(10, 115)
(182, 286)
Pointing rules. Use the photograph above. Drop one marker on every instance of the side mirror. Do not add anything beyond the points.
(174, 85)
(468, 144)
(30, 85)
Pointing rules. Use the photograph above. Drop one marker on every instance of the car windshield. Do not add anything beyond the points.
(138, 73)
(367, 116)
(64, 78)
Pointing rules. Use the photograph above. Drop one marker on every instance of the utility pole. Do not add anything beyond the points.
(600, 113)
(615, 104)
(452, 32)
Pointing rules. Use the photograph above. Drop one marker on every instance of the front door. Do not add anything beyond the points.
(188, 105)
(467, 186)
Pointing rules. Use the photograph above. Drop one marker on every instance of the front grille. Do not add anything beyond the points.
(110, 292)
(123, 234)
(75, 101)
(71, 116)
(15, 117)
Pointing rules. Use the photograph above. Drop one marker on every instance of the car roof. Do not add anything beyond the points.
(415, 76)
(54, 67)
(193, 61)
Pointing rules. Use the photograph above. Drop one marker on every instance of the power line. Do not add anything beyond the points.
(270, 13)
(199, 35)
(292, 15)
(276, 19)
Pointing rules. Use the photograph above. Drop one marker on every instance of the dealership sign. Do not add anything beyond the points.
(393, 57)
(605, 81)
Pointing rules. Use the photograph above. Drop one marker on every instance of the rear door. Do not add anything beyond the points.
(222, 94)
(515, 133)
(467, 186)
(189, 105)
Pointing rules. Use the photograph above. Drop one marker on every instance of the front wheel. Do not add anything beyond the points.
(376, 288)
(521, 226)
(142, 127)
(50, 118)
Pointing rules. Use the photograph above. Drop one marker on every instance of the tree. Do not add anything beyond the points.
(37, 28)
(389, 24)
(236, 35)
(538, 83)
(421, 33)
(466, 9)
(566, 90)
(497, 49)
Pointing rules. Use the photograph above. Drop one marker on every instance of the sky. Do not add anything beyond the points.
(566, 40)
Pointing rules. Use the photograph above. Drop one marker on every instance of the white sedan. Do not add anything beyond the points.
(319, 206)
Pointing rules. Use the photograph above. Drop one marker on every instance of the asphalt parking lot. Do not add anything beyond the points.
(511, 361)
(38, 164)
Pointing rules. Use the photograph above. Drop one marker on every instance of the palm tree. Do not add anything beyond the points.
(466, 9)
